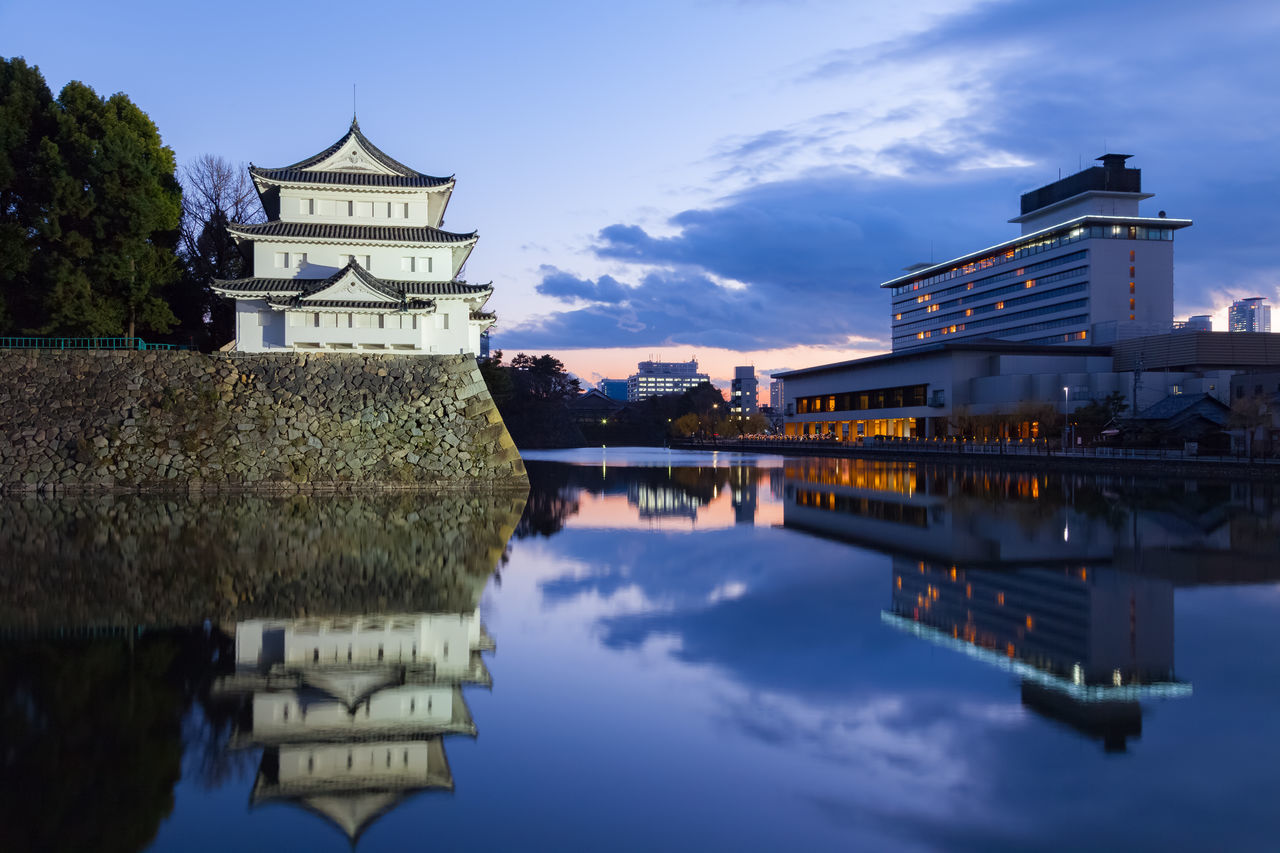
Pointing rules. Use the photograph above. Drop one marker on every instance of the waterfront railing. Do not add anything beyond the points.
(971, 447)
(86, 344)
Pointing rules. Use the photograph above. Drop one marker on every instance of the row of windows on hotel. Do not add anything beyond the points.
(979, 295)
(354, 209)
(1043, 244)
(1007, 275)
(1008, 331)
(298, 260)
(857, 401)
(1038, 295)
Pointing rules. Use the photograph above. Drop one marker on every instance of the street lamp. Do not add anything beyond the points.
(1066, 414)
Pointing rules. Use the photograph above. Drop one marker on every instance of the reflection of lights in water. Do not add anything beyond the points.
(1066, 532)
(1077, 674)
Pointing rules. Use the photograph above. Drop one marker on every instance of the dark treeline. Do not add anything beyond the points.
(542, 407)
(97, 236)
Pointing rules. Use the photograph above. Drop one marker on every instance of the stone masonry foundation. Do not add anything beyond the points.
(125, 421)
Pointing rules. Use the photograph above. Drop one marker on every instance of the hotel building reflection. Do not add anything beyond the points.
(351, 713)
(1057, 580)
(1086, 643)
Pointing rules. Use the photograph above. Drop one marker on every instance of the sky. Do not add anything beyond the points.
(725, 179)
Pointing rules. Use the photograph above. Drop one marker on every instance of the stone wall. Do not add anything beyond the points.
(149, 420)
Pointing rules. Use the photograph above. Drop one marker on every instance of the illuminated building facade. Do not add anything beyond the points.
(743, 391)
(656, 378)
(1088, 268)
(1249, 315)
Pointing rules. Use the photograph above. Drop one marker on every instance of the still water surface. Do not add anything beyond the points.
(654, 650)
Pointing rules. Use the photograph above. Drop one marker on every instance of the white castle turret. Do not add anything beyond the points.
(352, 257)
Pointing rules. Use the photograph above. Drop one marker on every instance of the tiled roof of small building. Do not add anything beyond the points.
(351, 233)
(1177, 404)
(359, 179)
(299, 172)
(292, 292)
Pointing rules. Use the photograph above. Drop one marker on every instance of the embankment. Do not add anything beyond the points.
(125, 421)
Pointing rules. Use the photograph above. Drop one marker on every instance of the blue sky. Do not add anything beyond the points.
(719, 177)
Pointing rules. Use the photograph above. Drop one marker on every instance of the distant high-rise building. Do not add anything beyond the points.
(1195, 323)
(775, 395)
(1249, 315)
(614, 389)
(743, 391)
(655, 378)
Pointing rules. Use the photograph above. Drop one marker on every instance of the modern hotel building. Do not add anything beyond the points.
(1087, 269)
(1077, 308)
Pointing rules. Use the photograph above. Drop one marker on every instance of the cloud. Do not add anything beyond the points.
(569, 288)
(999, 98)
(810, 253)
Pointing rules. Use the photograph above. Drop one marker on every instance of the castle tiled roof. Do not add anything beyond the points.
(293, 292)
(301, 172)
(358, 179)
(350, 233)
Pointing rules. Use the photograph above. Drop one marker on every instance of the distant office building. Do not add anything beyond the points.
(614, 389)
(1195, 323)
(655, 378)
(775, 395)
(1088, 269)
(743, 391)
(1249, 315)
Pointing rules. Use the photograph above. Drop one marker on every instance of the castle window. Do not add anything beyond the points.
(282, 260)
(366, 261)
(406, 265)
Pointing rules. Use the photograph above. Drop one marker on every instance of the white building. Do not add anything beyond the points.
(352, 257)
(351, 711)
(1249, 315)
(1087, 269)
(743, 390)
(655, 378)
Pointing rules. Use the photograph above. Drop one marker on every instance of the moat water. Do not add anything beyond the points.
(653, 650)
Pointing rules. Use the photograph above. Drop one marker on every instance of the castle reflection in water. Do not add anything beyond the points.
(346, 710)
(351, 712)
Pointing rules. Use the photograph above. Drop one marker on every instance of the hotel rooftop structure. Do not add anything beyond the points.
(1086, 269)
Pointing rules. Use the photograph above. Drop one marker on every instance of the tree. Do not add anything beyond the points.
(1247, 415)
(544, 378)
(27, 124)
(91, 223)
(1096, 416)
(531, 394)
(687, 424)
(215, 194)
